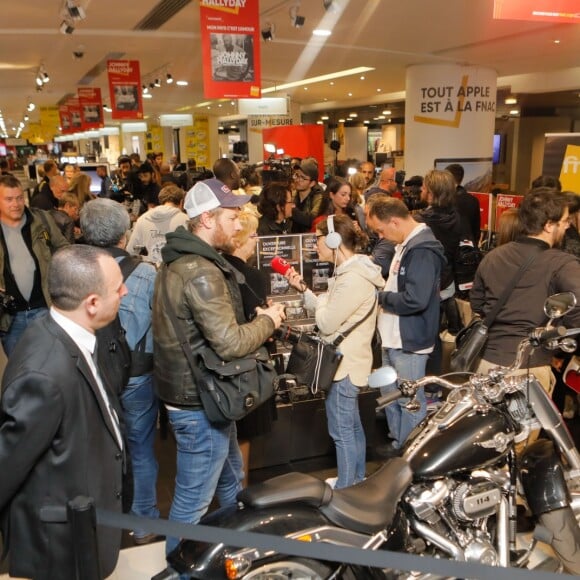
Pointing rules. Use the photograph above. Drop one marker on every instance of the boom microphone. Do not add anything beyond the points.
(280, 265)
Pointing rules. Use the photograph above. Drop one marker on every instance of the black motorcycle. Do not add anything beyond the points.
(453, 494)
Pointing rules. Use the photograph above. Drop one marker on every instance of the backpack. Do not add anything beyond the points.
(114, 354)
(467, 259)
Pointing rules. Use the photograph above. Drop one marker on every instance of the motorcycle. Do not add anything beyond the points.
(452, 494)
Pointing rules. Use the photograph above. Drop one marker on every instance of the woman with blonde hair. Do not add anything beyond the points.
(359, 183)
(81, 187)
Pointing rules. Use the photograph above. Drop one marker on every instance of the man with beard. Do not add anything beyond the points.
(544, 218)
(387, 184)
(203, 290)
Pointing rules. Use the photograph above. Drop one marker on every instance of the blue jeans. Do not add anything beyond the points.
(209, 463)
(409, 366)
(19, 323)
(345, 428)
(140, 407)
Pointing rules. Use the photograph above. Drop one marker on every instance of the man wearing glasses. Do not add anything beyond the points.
(387, 184)
(307, 196)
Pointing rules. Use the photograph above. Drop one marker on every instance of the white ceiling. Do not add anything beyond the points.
(387, 35)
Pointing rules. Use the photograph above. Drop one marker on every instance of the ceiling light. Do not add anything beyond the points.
(31, 106)
(331, 5)
(341, 120)
(74, 11)
(39, 81)
(45, 77)
(107, 109)
(556, 42)
(151, 85)
(297, 20)
(157, 83)
(182, 83)
(318, 79)
(320, 122)
(515, 112)
(350, 94)
(387, 112)
(168, 78)
(379, 90)
(511, 101)
(321, 32)
(362, 78)
(147, 96)
(366, 122)
(26, 117)
(353, 115)
(325, 117)
(268, 32)
(66, 27)
(145, 89)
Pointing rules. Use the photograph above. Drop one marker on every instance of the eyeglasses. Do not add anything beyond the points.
(301, 177)
(320, 236)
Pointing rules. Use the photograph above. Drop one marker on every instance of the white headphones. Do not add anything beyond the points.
(333, 239)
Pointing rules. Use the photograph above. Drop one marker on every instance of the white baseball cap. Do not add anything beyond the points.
(211, 194)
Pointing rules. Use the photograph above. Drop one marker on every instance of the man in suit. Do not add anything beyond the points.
(59, 429)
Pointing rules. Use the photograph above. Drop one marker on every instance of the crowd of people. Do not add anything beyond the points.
(72, 263)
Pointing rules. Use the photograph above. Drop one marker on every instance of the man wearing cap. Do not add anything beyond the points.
(203, 290)
(307, 196)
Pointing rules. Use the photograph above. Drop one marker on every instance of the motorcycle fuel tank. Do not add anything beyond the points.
(477, 439)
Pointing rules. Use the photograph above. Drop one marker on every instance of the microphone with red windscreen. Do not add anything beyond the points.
(280, 265)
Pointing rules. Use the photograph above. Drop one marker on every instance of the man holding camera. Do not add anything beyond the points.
(28, 237)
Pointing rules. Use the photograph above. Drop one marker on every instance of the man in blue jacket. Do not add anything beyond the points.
(409, 320)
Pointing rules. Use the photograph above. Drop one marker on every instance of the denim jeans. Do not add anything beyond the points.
(409, 366)
(209, 463)
(19, 323)
(140, 408)
(345, 428)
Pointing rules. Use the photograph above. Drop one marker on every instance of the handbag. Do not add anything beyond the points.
(314, 362)
(470, 341)
(228, 390)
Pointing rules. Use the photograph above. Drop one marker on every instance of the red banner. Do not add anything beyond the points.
(537, 10)
(125, 89)
(65, 120)
(230, 44)
(91, 106)
(485, 202)
(76, 120)
(505, 202)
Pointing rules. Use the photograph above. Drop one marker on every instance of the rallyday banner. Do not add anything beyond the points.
(230, 40)
(125, 89)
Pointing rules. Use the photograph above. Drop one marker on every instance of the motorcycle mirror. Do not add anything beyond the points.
(382, 377)
(559, 305)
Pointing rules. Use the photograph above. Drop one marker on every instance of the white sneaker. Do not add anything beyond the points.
(331, 481)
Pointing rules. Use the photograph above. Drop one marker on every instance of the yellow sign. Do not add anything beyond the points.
(570, 172)
(154, 141)
(197, 141)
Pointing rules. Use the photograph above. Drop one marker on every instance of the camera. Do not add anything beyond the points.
(7, 303)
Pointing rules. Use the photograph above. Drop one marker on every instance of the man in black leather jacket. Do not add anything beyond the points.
(203, 290)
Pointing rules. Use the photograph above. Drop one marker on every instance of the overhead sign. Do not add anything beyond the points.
(230, 43)
(125, 89)
(266, 106)
(91, 107)
(505, 202)
(537, 10)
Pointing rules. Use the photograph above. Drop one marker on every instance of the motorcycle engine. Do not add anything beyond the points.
(475, 499)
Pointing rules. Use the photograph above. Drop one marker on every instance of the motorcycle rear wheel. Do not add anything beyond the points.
(566, 537)
(290, 568)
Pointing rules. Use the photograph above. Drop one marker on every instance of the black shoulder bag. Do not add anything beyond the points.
(228, 390)
(470, 341)
(314, 362)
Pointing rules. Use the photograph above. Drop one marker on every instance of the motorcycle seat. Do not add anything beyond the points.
(370, 506)
(288, 488)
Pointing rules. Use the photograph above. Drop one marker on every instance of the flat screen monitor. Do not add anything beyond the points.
(91, 170)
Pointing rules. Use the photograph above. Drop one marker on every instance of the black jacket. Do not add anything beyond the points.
(552, 271)
(56, 443)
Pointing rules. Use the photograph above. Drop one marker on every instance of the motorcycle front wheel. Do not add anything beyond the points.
(566, 537)
(290, 568)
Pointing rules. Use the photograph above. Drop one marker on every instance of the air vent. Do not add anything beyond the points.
(163, 12)
(99, 68)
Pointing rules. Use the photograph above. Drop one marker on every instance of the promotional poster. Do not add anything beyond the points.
(125, 89)
(91, 106)
(230, 39)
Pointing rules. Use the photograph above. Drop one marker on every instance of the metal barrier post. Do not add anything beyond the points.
(83, 523)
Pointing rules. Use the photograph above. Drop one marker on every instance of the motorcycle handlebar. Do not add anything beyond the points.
(387, 399)
(542, 335)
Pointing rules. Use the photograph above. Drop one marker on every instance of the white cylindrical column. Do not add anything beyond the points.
(450, 118)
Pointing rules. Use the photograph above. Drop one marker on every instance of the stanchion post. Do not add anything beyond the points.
(83, 524)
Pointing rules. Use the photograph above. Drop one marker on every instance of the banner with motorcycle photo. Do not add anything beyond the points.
(125, 89)
(230, 43)
(562, 159)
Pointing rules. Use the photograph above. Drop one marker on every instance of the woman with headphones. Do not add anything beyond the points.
(349, 303)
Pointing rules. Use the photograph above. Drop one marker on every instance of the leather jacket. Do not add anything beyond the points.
(203, 290)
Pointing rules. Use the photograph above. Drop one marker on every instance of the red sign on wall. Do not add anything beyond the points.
(485, 200)
(125, 89)
(230, 44)
(91, 106)
(65, 121)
